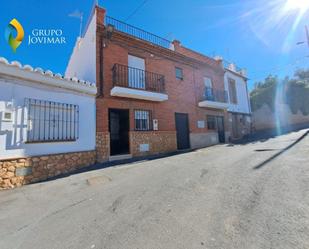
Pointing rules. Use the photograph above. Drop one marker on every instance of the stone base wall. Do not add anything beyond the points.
(17, 172)
(156, 141)
(201, 140)
(102, 146)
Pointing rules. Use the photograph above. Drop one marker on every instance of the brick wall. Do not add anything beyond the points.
(184, 95)
(17, 172)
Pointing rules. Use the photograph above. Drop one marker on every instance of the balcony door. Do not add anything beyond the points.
(208, 88)
(136, 72)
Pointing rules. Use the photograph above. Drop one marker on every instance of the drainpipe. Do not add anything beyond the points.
(248, 98)
(100, 17)
(101, 66)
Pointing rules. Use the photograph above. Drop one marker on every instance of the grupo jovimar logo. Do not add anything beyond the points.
(14, 25)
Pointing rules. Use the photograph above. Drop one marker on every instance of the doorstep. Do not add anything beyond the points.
(120, 157)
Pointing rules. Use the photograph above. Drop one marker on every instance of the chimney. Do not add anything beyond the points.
(232, 67)
(100, 12)
(219, 60)
(176, 44)
(243, 72)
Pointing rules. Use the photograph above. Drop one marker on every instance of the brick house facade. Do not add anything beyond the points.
(175, 106)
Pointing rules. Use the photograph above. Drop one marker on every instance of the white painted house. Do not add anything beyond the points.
(42, 113)
(82, 63)
(239, 108)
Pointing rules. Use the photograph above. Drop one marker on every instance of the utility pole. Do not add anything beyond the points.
(307, 38)
(79, 15)
(307, 35)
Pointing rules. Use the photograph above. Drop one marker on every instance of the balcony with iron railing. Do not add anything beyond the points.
(136, 83)
(214, 98)
(137, 33)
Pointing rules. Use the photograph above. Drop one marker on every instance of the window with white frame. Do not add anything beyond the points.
(49, 121)
(143, 120)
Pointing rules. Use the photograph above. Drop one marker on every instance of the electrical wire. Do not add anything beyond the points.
(136, 10)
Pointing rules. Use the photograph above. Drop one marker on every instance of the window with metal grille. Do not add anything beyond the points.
(211, 122)
(143, 120)
(49, 121)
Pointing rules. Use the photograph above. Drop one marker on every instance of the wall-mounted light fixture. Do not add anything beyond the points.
(110, 30)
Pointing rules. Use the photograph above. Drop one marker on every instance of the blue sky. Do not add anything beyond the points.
(258, 35)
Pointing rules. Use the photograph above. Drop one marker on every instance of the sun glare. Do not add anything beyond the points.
(301, 5)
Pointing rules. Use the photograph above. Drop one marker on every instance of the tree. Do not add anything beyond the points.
(264, 93)
(296, 91)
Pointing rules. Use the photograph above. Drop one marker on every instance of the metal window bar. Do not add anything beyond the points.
(131, 77)
(137, 32)
(49, 121)
(211, 122)
(143, 120)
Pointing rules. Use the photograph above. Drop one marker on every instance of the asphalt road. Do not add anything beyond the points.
(242, 196)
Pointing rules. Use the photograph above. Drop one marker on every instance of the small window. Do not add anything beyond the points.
(211, 122)
(232, 91)
(179, 73)
(7, 116)
(143, 120)
(49, 121)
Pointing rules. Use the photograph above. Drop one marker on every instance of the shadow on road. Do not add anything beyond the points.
(264, 135)
(262, 164)
(119, 163)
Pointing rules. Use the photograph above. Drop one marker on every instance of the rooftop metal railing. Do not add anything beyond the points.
(137, 32)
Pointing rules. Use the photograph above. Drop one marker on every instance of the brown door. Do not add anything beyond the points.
(182, 129)
(221, 130)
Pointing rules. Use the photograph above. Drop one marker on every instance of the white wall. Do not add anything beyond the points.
(266, 119)
(13, 134)
(243, 105)
(82, 63)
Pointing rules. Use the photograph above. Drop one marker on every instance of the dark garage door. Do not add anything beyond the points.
(182, 129)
